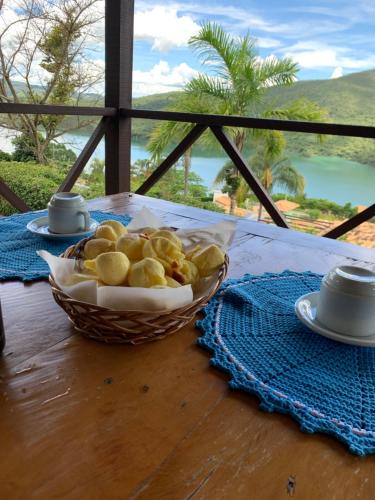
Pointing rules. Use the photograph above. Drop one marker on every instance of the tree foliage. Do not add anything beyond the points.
(33, 183)
(238, 84)
(171, 185)
(24, 151)
(45, 41)
(325, 207)
(5, 156)
(166, 134)
(238, 78)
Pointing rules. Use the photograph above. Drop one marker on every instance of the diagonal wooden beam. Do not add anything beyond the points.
(246, 172)
(12, 198)
(171, 159)
(350, 224)
(85, 155)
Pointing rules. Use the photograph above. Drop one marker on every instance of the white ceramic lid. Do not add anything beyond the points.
(64, 199)
(351, 279)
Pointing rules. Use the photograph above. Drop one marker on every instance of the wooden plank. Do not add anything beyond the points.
(258, 255)
(255, 185)
(236, 452)
(267, 252)
(350, 224)
(85, 155)
(55, 109)
(131, 203)
(12, 198)
(118, 413)
(171, 159)
(248, 122)
(119, 20)
(155, 420)
(24, 325)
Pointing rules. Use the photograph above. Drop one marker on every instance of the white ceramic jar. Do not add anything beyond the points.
(346, 302)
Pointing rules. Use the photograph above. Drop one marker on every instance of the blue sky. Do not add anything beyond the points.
(328, 38)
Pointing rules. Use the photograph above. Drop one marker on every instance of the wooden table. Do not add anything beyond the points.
(84, 420)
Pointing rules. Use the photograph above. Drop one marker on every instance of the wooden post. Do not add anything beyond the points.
(119, 21)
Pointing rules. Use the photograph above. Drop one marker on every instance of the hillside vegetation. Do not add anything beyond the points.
(348, 100)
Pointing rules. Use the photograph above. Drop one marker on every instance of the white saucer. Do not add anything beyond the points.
(305, 308)
(39, 226)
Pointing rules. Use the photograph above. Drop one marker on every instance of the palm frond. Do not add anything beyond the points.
(286, 176)
(223, 172)
(209, 141)
(169, 133)
(256, 163)
(246, 49)
(213, 87)
(243, 191)
(215, 47)
(274, 144)
(299, 109)
(166, 134)
(272, 71)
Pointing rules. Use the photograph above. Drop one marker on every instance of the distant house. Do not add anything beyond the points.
(286, 205)
(223, 201)
(360, 208)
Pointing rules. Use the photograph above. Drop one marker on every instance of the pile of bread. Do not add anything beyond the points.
(150, 259)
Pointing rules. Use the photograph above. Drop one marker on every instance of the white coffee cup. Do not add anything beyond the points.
(67, 213)
(346, 302)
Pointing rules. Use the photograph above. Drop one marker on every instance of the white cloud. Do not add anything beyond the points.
(237, 14)
(337, 72)
(315, 58)
(161, 78)
(268, 43)
(316, 55)
(238, 19)
(164, 27)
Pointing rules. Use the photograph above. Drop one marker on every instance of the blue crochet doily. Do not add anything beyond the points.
(18, 258)
(255, 336)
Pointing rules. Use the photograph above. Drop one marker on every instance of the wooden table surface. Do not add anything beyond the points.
(85, 420)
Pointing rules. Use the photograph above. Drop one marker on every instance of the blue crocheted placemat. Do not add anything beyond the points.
(18, 258)
(251, 328)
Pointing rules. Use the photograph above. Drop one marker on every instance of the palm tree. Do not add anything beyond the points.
(162, 135)
(239, 86)
(166, 133)
(272, 168)
(240, 77)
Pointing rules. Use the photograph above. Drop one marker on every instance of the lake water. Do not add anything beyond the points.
(330, 178)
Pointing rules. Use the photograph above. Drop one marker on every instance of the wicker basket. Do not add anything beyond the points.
(129, 327)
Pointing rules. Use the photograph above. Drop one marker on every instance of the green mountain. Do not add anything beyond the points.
(349, 99)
